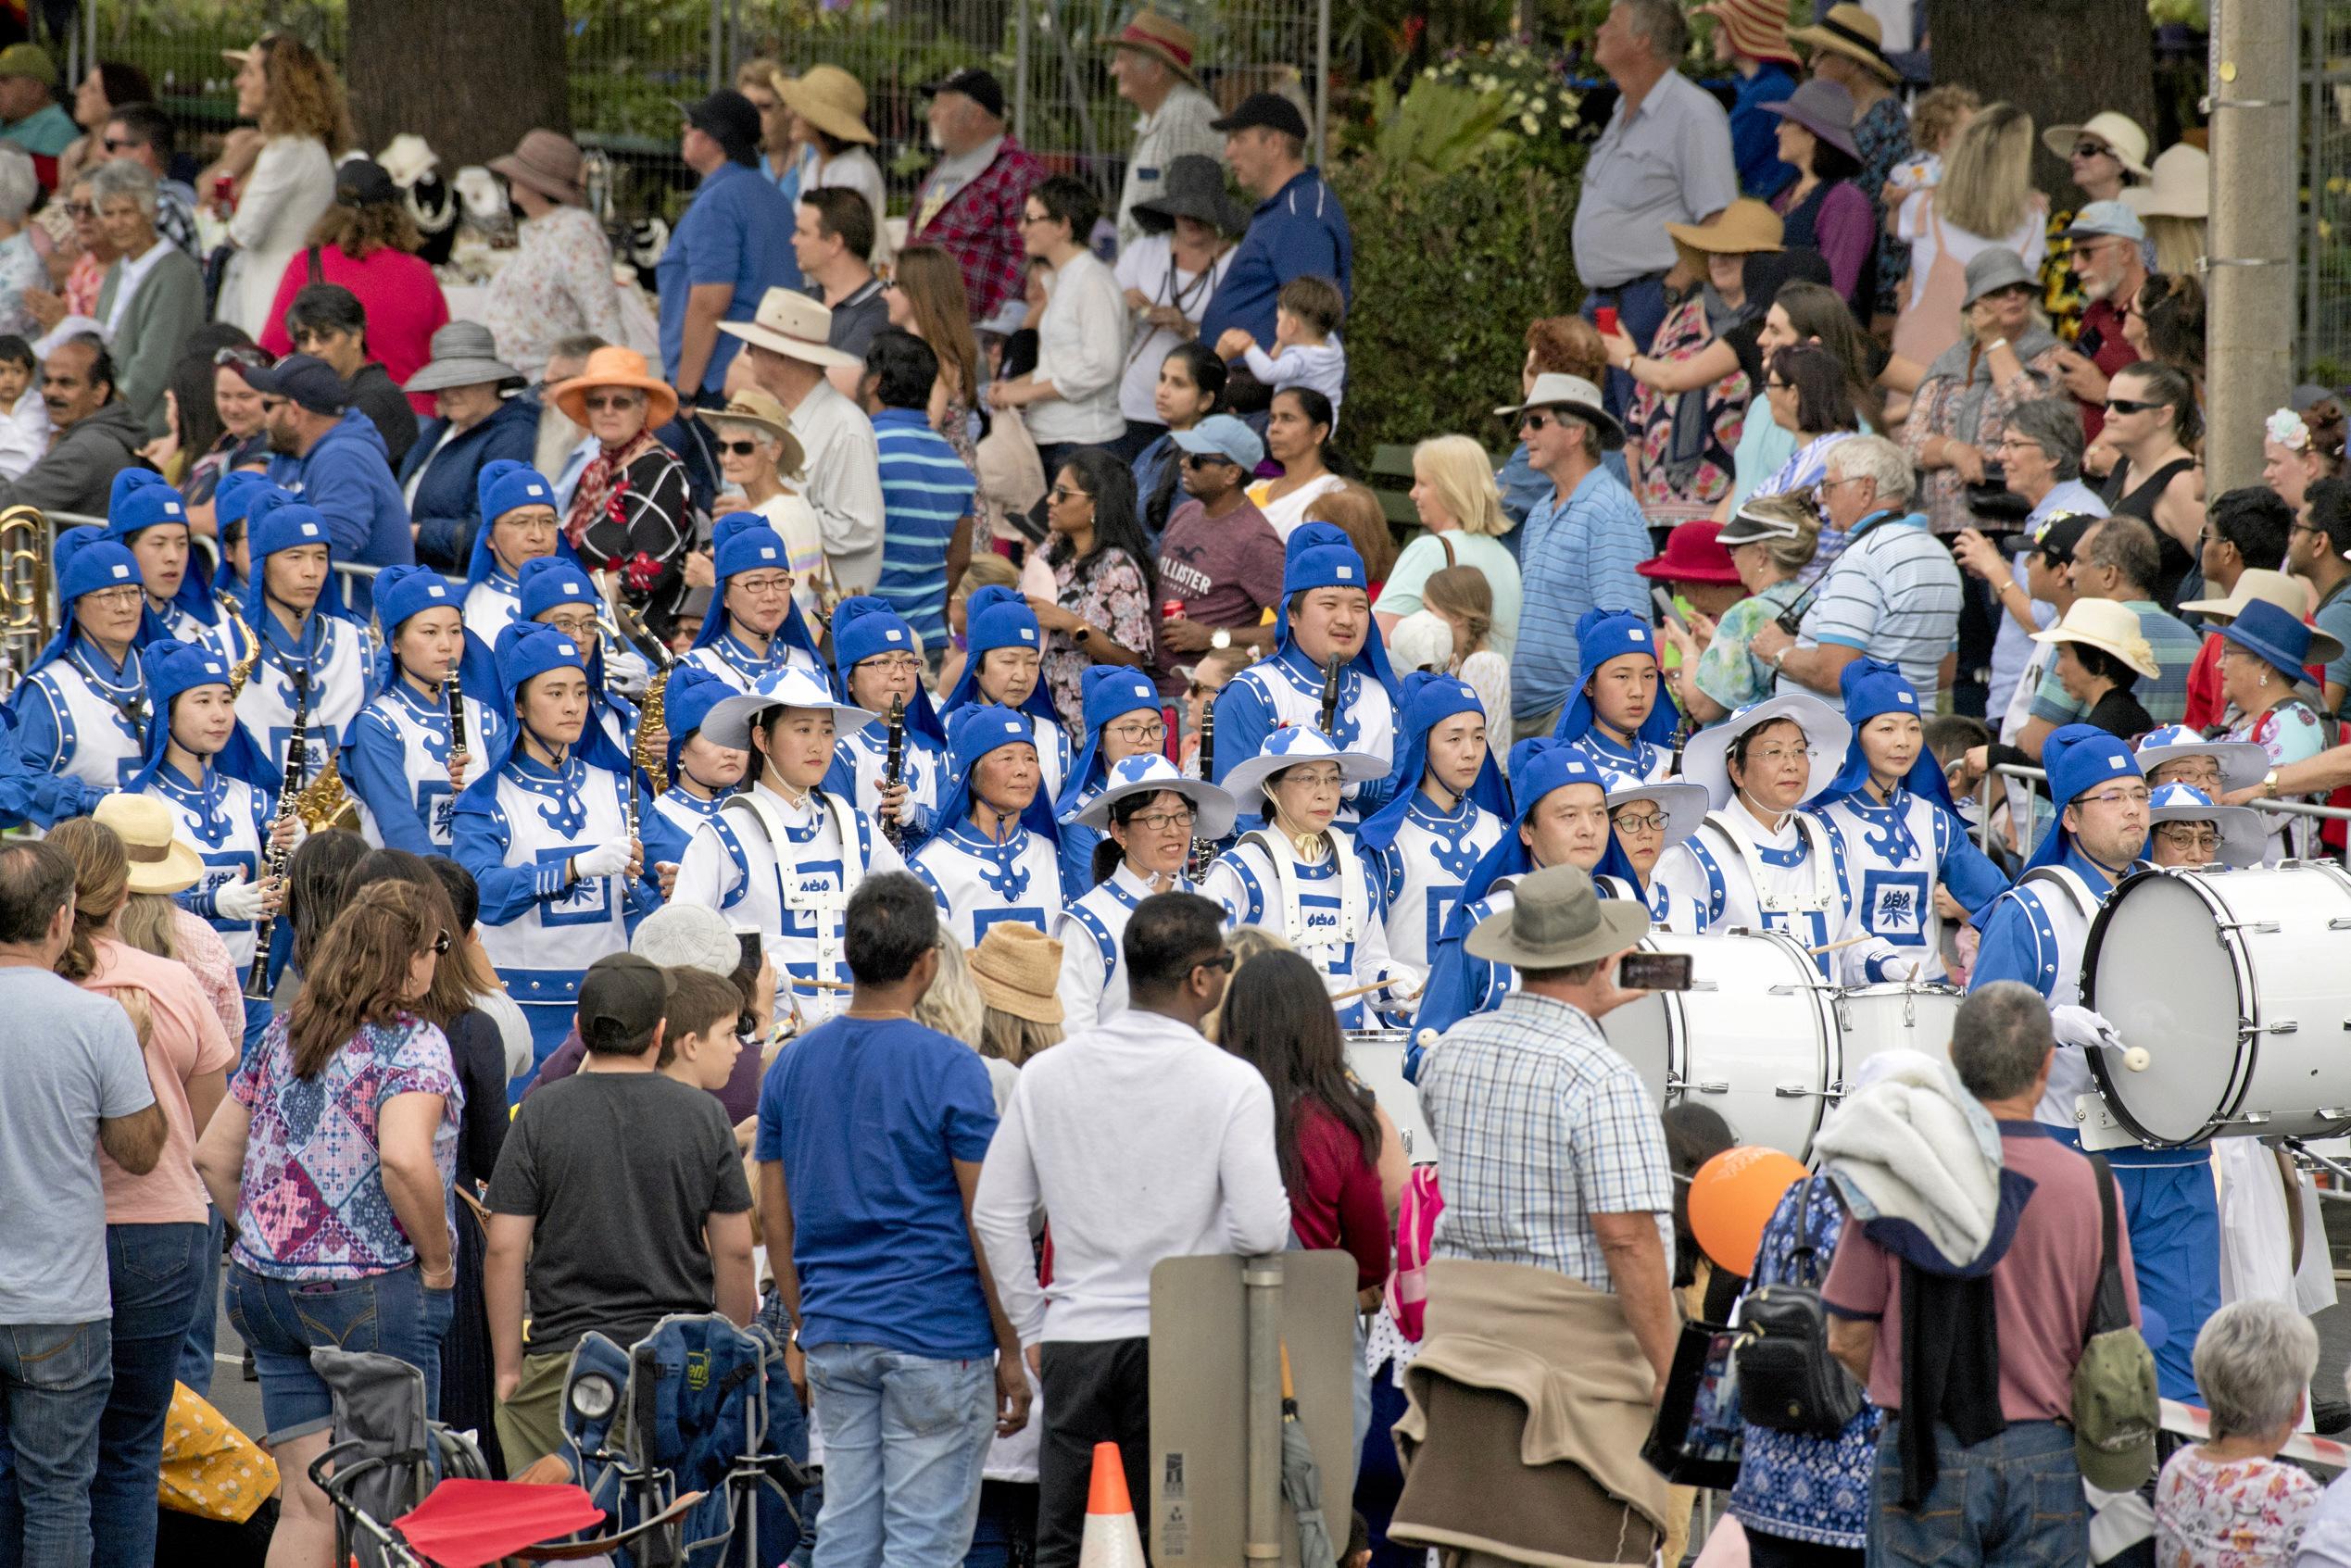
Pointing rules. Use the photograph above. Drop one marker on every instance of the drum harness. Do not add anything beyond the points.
(1350, 890)
(827, 904)
(1815, 834)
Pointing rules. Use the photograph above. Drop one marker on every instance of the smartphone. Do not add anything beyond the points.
(1665, 608)
(1653, 972)
(1604, 318)
(751, 949)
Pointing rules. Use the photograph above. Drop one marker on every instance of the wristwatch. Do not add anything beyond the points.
(1083, 633)
(2270, 785)
(1220, 639)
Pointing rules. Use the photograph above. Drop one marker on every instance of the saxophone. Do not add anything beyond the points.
(649, 749)
(894, 771)
(241, 669)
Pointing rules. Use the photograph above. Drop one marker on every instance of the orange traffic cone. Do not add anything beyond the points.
(1111, 1540)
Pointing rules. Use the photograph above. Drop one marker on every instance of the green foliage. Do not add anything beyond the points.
(1527, 86)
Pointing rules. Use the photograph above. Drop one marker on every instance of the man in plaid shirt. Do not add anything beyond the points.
(971, 201)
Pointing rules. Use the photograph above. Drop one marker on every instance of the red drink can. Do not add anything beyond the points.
(1172, 610)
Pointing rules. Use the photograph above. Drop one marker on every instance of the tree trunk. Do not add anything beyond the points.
(2061, 61)
(495, 71)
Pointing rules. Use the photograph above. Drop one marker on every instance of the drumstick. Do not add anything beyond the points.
(1363, 990)
(821, 984)
(1848, 942)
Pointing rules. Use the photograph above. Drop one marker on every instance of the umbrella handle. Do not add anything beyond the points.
(1290, 1394)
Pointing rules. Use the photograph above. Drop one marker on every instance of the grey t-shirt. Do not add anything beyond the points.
(80, 1064)
(858, 320)
(621, 1170)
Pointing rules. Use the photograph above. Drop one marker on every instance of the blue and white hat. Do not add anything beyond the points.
(731, 720)
(1319, 555)
(1684, 806)
(2079, 758)
(1705, 759)
(86, 562)
(174, 667)
(1873, 688)
(1288, 748)
(404, 592)
(1539, 768)
(1110, 692)
(528, 650)
(2243, 764)
(504, 485)
(1429, 700)
(1603, 635)
(1148, 775)
(2244, 841)
(744, 542)
(865, 626)
(279, 521)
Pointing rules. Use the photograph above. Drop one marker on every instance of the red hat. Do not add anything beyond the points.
(1694, 552)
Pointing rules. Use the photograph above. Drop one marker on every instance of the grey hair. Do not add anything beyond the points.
(2253, 1363)
(121, 178)
(1588, 431)
(2000, 1038)
(1662, 23)
(18, 184)
(1875, 458)
(2053, 424)
(2125, 545)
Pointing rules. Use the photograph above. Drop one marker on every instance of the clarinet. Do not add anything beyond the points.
(894, 770)
(1204, 850)
(457, 747)
(257, 979)
(1330, 694)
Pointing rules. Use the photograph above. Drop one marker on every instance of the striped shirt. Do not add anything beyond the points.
(1894, 594)
(1579, 555)
(925, 489)
(2176, 645)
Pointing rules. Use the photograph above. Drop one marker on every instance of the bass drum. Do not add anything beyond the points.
(2234, 983)
(1377, 1058)
(1895, 1016)
(1753, 1038)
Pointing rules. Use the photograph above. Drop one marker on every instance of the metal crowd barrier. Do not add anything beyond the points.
(2033, 778)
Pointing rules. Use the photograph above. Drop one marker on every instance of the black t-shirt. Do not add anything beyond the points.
(621, 1170)
(372, 390)
(479, 1054)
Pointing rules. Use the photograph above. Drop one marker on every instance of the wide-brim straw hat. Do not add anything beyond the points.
(463, 354)
(160, 861)
(2181, 185)
(1742, 228)
(754, 406)
(830, 99)
(1163, 38)
(1758, 29)
(1851, 31)
(548, 162)
(616, 366)
(790, 323)
(1018, 970)
(2255, 582)
(2117, 129)
(2108, 625)
(1556, 918)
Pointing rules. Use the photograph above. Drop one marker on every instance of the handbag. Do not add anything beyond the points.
(1698, 1438)
(1787, 1381)
(2115, 1403)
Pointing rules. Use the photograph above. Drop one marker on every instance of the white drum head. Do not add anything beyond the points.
(2162, 972)
(1377, 1056)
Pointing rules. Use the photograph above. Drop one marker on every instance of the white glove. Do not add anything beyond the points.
(605, 859)
(238, 900)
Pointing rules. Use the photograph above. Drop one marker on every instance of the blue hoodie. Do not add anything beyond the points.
(447, 511)
(347, 476)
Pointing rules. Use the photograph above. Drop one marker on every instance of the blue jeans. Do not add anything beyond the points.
(154, 1271)
(2013, 1499)
(204, 1325)
(390, 1313)
(905, 1437)
(53, 1378)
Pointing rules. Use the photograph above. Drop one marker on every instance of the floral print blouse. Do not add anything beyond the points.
(21, 268)
(557, 284)
(1670, 492)
(2232, 1513)
(1113, 597)
(1937, 411)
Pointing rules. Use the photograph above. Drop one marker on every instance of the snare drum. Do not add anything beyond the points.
(2234, 982)
(1754, 1036)
(1377, 1056)
(1895, 1017)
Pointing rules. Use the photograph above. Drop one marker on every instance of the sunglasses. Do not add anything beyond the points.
(441, 945)
(1537, 421)
(2128, 406)
(1206, 459)
(737, 449)
(1224, 961)
(117, 144)
(2092, 149)
(1064, 493)
(244, 359)
(80, 209)
(618, 402)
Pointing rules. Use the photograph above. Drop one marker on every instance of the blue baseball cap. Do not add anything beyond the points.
(1223, 436)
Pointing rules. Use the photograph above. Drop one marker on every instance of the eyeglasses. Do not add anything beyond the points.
(1223, 960)
(891, 663)
(112, 596)
(1828, 484)
(2128, 406)
(1142, 732)
(613, 402)
(737, 449)
(579, 628)
(1639, 822)
(117, 144)
(271, 405)
(441, 945)
(80, 209)
(1772, 756)
(1163, 821)
(1777, 385)
(2118, 797)
(760, 585)
(2092, 149)
(1028, 217)
(2184, 835)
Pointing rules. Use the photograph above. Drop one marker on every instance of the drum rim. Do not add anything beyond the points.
(2248, 1039)
(1828, 1040)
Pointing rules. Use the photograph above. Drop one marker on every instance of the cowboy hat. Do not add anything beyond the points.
(1822, 107)
(1556, 919)
(789, 323)
(1706, 759)
(1166, 40)
(2244, 841)
(616, 366)
(729, 724)
(1148, 775)
(1018, 970)
(548, 162)
(160, 861)
(1850, 30)
(1294, 746)
(2108, 626)
(1192, 187)
(2241, 762)
(829, 98)
(1574, 395)
(1746, 225)
(2181, 186)
(463, 354)
(2255, 585)
(2119, 131)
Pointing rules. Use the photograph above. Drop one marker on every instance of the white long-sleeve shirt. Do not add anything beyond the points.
(1319, 366)
(24, 433)
(1143, 1141)
(844, 484)
(291, 186)
(1081, 348)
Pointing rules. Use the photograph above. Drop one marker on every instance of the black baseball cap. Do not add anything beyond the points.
(2057, 538)
(361, 182)
(730, 120)
(622, 997)
(303, 379)
(1270, 110)
(980, 86)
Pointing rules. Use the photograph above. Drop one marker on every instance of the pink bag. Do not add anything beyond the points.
(1416, 1212)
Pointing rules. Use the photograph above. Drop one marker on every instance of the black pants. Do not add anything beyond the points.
(1779, 1552)
(1096, 1391)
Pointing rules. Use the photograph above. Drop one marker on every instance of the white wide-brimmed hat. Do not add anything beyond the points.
(2109, 626)
(1705, 760)
(2243, 764)
(729, 724)
(1685, 804)
(789, 323)
(1290, 748)
(2244, 841)
(1148, 775)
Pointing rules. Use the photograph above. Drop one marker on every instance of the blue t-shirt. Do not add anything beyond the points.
(738, 230)
(2334, 619)
(925, 491)
(867, 1117)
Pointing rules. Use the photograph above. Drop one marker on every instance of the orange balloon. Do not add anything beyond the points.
(1731, 1198)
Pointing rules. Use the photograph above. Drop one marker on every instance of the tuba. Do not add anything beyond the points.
(28, 614)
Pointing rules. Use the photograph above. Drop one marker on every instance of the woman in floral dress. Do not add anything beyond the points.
(1681, 444)
(1105, 591)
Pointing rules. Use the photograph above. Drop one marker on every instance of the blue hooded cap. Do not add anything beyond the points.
(527, 649)
(2080, 758)
(865, 627)
(1537, 768)
(175, 667)
(86, 562)
(1319, 555)
(1429, 700)
(503, 485)
(746, 542)
(686, 700)
(404, 591)
(142, 499)
(975, 730)
(1603, 635)
(994, 618)
(1872, 688)
(280, 521)
(233, 500)
(1112, 692)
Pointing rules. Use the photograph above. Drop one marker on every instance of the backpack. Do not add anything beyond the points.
(1787, 1381)
(2115, 1410)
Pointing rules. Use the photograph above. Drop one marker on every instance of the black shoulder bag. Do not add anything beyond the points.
(1787, 1381)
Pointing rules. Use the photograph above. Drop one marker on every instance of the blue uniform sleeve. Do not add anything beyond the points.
(2011, 947)
(664, 841)
(1967, 870)
(1078, 858)
(1243, 720)
(477, 842)
(376, 769)
(30, 792)
(1456, 981)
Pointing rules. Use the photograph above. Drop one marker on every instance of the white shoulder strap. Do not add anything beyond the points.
(2085, 902)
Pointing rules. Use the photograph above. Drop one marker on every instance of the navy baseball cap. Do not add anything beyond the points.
(303, 379)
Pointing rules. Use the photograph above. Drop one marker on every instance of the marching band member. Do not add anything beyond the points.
(1151, 813)
(995, 854)
(702, 773)
(1447, 805)
(1906, 849)
(2188, 830)
(1648, 822)
(1005, 647)
(1758, 861)
(1562, 821)
(1301, 874)
(785, 854)
(1620, 715)
(302, 633)
(2177, 754)
(81, 709)
(231, 500)
(753, 627)
(222, 794)
(401, 762)
(146, 516)
(875, 665)
(544, 831)
(1324, 614)
(1122, 719)
(558, 593)
(519, 526)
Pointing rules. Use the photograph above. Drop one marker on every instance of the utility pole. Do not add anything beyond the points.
(2250, 287)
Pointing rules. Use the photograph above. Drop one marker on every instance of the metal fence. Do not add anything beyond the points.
(2036, 781)
(2324, 350)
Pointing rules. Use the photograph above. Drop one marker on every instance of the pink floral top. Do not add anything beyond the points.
(1114, 598)
(1670, 492)
(557, 284)
(2240, 1513)
(83, 283)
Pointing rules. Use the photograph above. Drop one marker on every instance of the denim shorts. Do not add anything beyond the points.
(284, 1319)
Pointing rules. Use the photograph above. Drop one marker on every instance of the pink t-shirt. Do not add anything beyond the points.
(404, 303)
(2041, 1291)
(2230, 1513)
(186, 1042)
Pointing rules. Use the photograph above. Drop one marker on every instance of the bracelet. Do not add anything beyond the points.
(1995, 346)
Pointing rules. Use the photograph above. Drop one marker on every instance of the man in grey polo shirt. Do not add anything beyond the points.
(1892, 595)
(1663, 158)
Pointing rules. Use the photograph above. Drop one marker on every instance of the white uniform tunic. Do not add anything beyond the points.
(1093, 984)
(337, 661)
(85, 719)
(491, 606)
(1667, 910)
(1643, 759)
(978, 881)
(732, 661)
(682, 814)
(1329, 911)
(540, 935)
(1421, 872)
(1743, 875)
(794, 887)
(922, 768)
(1897, 854)
(228, 821)
(399, 767)
(1280, 694)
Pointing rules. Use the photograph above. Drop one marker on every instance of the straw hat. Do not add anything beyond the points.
(1850, 30)
(2181, 186)
(2254, 584)
(2106, 625)
(1758, 29)
(789, 323)
(1167, 41)
(1018, 970)
(756, 408)
(160, 861)
(1745, 226)
(829, 98)
(2119, 131)
(617, 367)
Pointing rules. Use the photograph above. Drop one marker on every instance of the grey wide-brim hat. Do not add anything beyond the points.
(1556, 919)
(1992, 269)
(1192, 187)
(464, 353)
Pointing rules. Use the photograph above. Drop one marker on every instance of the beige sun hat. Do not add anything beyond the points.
(2108, 625)
(161, 861)
(789, 323)
(2117, 129)
(1746, 225)
(1018, 970)
(830, 99)
(2181, 186)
